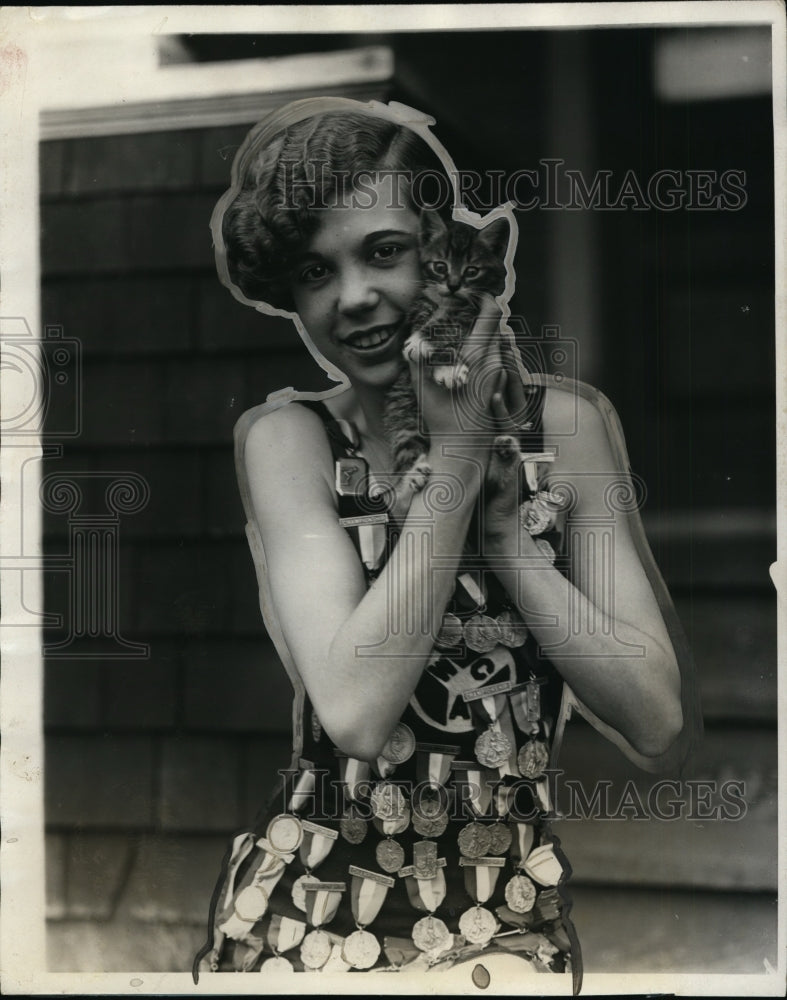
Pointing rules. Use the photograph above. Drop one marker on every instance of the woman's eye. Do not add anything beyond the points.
(472, 271)
(387, 252)
(314, 272)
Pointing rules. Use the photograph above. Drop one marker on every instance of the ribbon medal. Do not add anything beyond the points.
(369, 889)
(492, 748)
(479, 925)
(322, 902)
(283, 934)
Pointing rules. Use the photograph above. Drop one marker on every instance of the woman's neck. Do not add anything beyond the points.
(364, 406)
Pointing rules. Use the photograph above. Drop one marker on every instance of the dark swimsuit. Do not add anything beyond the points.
(326, 802)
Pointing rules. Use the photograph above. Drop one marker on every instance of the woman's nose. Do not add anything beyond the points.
(357, 292)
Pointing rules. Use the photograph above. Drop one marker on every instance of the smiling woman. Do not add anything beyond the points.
(431, 643)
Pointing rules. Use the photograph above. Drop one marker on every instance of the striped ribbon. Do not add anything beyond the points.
(322, 901)
(367, 894)
(481, 877)
(285, 933)
(316, 845)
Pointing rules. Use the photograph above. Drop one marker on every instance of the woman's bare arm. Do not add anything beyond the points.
(359, 653)
(602, 628)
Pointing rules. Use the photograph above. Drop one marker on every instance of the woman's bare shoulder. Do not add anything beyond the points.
(580, 421)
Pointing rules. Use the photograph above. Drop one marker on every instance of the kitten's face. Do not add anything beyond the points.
(459, 260)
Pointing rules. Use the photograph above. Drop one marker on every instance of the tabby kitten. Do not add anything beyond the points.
(459, 264)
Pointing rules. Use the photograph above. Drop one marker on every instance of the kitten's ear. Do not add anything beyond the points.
(432, 225)
(495, 237)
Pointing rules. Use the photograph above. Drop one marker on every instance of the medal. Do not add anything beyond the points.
(451, 632)
(316, 949)
(276, 964)
(352, 827)
(298, 891)
(474, 840)
(525, 702)
(400, 745)
(430, 934)
(387, 801)
(316, 845)
(520, 894)
(473, 786)
(478, 925)
(354, 775)
(513, 631)
(283, 934)
(352, 476)
(524, 837)
(322, 901)
(430, 826)
(361, 950)
(369, 889)
(533, 759)
(392, 827)
(251, 904)
(424, 859)
(492, 748)
(433, 763)
(303, 786)
(284, 833)
(530, 462)
(500, 838)
(481, 633)
(543, 866)
(390, 855)
(468, 592)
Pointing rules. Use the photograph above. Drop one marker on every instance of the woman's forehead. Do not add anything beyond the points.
(359, 214)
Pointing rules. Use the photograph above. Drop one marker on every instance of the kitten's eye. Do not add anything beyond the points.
(439, 267)
(472, 271)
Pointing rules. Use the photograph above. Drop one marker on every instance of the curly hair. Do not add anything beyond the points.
(283, 184)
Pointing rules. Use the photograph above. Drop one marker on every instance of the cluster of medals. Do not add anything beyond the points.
(530, 893)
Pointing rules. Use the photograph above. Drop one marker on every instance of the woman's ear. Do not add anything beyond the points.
(495, 237)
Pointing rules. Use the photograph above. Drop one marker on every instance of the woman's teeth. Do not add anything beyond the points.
(372, 339)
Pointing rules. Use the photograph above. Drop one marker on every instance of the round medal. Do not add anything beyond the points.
(474, 840)
(545, 549)
(352, 828)
(390, 855)
(533, 759)
(451, 631)
(481, 633)
(492, 748)
(500, 838)
(520, 894)
(298, 891)
(361, 950)
(535, 517)
(276, 964)
(430, 826)
(478, 925)
(513, 631)
(430, 933)
(251, 903)
(400, 745)
(387, 801)
(284, 834)
(315, 949)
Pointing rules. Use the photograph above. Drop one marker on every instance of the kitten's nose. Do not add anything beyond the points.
(453, 285)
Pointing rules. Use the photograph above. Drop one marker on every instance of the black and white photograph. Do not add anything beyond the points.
(392, 420)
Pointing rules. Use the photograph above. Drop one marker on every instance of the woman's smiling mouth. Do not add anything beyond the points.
(372, 340)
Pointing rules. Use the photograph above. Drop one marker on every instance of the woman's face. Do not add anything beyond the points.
(355, 282)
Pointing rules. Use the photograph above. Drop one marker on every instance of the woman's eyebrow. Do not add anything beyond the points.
(386, 234)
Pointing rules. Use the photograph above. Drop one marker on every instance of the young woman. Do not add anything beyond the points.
(435, 642)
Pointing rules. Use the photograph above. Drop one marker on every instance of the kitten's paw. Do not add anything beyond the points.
(506, 446)
(419, 474)
(451, 376)
(416, 348)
